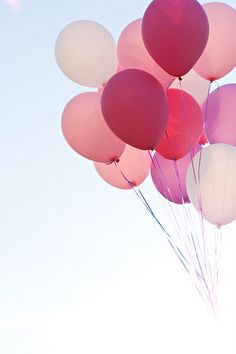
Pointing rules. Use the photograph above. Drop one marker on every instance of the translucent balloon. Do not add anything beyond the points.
(135, 108)
(220, 113)
(193, 84)
(133, 54)
(133, 165)
(185, 125)
(169, 177)
(175, 33)
(86, 131)
(219, 56)
(211, 184)
(86, 53)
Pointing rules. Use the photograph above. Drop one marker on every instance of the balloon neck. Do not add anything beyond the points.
(115, 160)
(180, 78)
(218, 226)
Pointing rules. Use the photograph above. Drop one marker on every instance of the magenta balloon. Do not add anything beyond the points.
(219, 56)
(175, 33)
(170, 179)
(134, 164)
(133, 54)
(134, 106)
(86, 131)
(185, 125)
(220, 113)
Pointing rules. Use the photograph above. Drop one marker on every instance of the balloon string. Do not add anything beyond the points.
(207, 105)
(218, 245)
(163, 179)
(192, 242)
(185, 263)
(200, 274)
(141, 197)
(197, 179)
(164, 185)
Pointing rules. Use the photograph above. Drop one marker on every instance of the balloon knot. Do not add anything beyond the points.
(180, 78)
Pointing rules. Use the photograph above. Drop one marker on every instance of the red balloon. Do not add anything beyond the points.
(134, 106)
(185, 125)
(175, 33)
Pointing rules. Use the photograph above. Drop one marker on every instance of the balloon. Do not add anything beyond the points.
(132, 53)
(169, 176)
(203, 139)
(134, 164)
(193, 84)
(86, 53)
(220, 115)
(86, 131)
(175, 33)
(135, 108)
(185, 125)
(212, 187)
(219, 56)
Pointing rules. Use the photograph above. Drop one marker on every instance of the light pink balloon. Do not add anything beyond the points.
(134, 164)
(220, 113)
(193, 84)
(169, 177)
(86, 131)
(132, 53)
(219, 56)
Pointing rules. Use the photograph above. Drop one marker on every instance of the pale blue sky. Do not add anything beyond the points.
(83, 267)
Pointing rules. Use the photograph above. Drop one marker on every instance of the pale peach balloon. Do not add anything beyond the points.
(211, 183)
(219, 56)
(132, 53)
(86, 53)
(193, 84)
(131, 170)
(86, 131)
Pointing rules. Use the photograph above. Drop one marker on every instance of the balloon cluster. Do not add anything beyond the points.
(153, 94)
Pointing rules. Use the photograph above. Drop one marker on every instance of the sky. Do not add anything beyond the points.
(83, 267)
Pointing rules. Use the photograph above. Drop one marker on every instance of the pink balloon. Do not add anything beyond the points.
(203, 139)
(134, 164)
(193, 84)
(86, 131)
(185, 125)
(220, 113)
(135, 108)
(219, 56)
(169, 177)
(175, 33)
(133, 54)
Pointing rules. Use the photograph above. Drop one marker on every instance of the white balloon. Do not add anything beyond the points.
(211, 183)
(86, 53)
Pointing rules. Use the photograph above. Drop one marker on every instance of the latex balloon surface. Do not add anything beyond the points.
(185, 125)
(211, 184)
(133, 54)
(86, 53)
(134, 106)
(220, 113)
(131, 170)
(193, 84)
(175, 33)
(169, 177)
(219, 56)
(86, 131)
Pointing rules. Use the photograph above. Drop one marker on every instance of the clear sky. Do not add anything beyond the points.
(83, 267)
